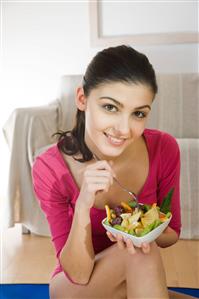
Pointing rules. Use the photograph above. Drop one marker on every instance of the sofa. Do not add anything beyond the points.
(28, 132)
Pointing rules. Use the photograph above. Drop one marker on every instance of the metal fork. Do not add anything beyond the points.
(121, 186)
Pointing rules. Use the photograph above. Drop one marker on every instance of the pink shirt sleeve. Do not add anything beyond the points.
(169, 177)
(53, 202)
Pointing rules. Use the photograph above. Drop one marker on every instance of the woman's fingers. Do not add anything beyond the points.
(145, 248)
(130, 247)
(118, 238)
(111, 237)
(97, 173)
(128, 244)
(101, 165)
(120, 242)
(99, 178)
(96, 181)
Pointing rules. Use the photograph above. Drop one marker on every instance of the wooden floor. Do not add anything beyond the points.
(30, 259)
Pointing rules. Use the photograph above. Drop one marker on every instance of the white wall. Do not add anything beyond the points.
(42, 41)
(140, 17)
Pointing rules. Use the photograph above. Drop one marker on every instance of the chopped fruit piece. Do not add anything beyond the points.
(113, 216)
(168, 215)
(125, 215)
(119, 227)
(150, 216)
(162, 217)
(133, 225)
(138, 231)
(132, 204)
(135, 217)
(125, 223)
(119, 210)
(126, 206)
(117, 220)
(145, 208)
(108, 213)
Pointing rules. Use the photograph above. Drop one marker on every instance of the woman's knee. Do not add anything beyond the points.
(110, 258)
(150, 259)
(57, 287)
(52, 291)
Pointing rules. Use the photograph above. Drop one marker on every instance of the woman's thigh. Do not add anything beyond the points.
(107, 280)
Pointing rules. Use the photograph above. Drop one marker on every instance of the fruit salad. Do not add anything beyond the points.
(138, 219)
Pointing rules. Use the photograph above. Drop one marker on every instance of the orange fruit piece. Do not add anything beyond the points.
(126, 207)
(108, 213)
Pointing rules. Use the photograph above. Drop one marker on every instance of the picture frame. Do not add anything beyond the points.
(97, 39)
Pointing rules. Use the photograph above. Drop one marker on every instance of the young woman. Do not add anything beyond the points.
(74, 179)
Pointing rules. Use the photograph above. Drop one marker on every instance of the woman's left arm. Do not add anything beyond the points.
(167, 238)
(168, 178)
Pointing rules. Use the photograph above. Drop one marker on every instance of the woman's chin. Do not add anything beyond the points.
(109, 154)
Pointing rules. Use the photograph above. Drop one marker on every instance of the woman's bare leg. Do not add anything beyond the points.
(145, 275)
(150, 279)
(107, 280)
(119, 275)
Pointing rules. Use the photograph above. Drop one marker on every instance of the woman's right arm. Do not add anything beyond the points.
(77, 257)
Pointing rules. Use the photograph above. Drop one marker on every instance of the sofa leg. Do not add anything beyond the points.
(25, 230)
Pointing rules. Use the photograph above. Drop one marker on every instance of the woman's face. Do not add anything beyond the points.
(115, 117)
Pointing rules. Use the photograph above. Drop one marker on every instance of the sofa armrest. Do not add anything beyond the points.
(28, 129)
(189, 188)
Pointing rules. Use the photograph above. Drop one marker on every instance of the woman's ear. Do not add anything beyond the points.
(80, 99)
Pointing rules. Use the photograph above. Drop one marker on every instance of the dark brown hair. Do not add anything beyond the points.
(114, 64)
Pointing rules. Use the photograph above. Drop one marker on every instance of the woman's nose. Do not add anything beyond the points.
(123, 127)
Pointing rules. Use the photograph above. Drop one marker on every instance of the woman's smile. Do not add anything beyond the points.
(114, 141)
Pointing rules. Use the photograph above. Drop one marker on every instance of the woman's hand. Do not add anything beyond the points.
(96, 177)
(128, 244)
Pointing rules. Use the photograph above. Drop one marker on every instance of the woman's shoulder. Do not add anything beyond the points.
(161, 138)
(158, 133)
(163, 147)
(50, 164)
(51, 171)
(50, 156)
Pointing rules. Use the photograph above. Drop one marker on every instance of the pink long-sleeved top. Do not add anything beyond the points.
(57, 190)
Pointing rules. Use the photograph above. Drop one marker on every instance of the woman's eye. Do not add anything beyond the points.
(140, 114)
(110, 107)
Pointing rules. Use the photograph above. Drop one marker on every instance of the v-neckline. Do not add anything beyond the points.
(77, 189)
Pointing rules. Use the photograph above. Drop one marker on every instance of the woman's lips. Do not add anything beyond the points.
(114, 141)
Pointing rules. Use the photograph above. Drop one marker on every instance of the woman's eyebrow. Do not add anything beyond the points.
(121, 105)
(114, 100)
(142, 107)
